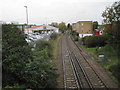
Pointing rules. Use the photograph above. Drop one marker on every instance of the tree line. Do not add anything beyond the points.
(62, 26)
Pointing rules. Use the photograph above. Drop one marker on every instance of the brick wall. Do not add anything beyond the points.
(83, 27)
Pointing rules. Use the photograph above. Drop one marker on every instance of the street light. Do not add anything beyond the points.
(27, 16)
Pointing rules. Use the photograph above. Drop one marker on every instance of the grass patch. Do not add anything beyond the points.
(93, 52)
(111, 61)
(110, 55)
(55, 45)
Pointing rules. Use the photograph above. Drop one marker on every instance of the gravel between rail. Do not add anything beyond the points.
(76, 69)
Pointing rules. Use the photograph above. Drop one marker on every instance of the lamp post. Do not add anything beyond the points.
(27, 17)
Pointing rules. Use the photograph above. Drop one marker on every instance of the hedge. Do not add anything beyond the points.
(93, 41)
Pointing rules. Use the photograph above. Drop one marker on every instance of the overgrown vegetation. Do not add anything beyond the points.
(22, 67)
(95, 26)
(112, 59)
(109, 43)
(45, 71)
(112, 29)
(75, 35)
(93, 41)
(62, 27)
(54, 36)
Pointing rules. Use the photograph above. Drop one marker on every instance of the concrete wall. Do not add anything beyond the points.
(83, 35)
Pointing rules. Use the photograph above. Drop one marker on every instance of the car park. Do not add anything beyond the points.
(33, 37)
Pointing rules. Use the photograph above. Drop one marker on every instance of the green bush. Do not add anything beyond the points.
(40, 73)
(40, 45)
(43, 52)
(75, 35)
(54, 36)
(24, 67)
(115, 69)
(21, 87)
(15, 55)
(93, 41)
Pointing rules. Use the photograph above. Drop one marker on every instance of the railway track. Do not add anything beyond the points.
(102, 84)
(76, 66)
(70, 79)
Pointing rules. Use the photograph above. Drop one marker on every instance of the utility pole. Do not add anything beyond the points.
(27, 17)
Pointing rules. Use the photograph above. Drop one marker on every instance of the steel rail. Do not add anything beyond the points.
(65, 81)
(85, 74)
(89, 64)
(75, 71)
(82, 69)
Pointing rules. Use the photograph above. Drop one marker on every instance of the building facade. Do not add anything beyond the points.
(23, 27)
(41, 29)
(84, 28)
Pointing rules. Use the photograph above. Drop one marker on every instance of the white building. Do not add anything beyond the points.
(83, 35)
(39, 32)
(42, 29)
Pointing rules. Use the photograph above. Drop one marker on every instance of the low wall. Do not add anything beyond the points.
(83, 35)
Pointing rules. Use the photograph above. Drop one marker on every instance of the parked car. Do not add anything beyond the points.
(29, 40)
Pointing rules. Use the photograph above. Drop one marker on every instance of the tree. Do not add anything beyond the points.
(15, 54)
(69, 27)
(54, 24)
(95, 25)
(112, 28)
(54, 36)
(112, 14)
(23, 67)
(112, 23)
(62, 26)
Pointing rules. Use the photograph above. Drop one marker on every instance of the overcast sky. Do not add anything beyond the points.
(47, 11)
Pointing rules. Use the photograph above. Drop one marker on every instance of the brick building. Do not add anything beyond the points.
(84, 28)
